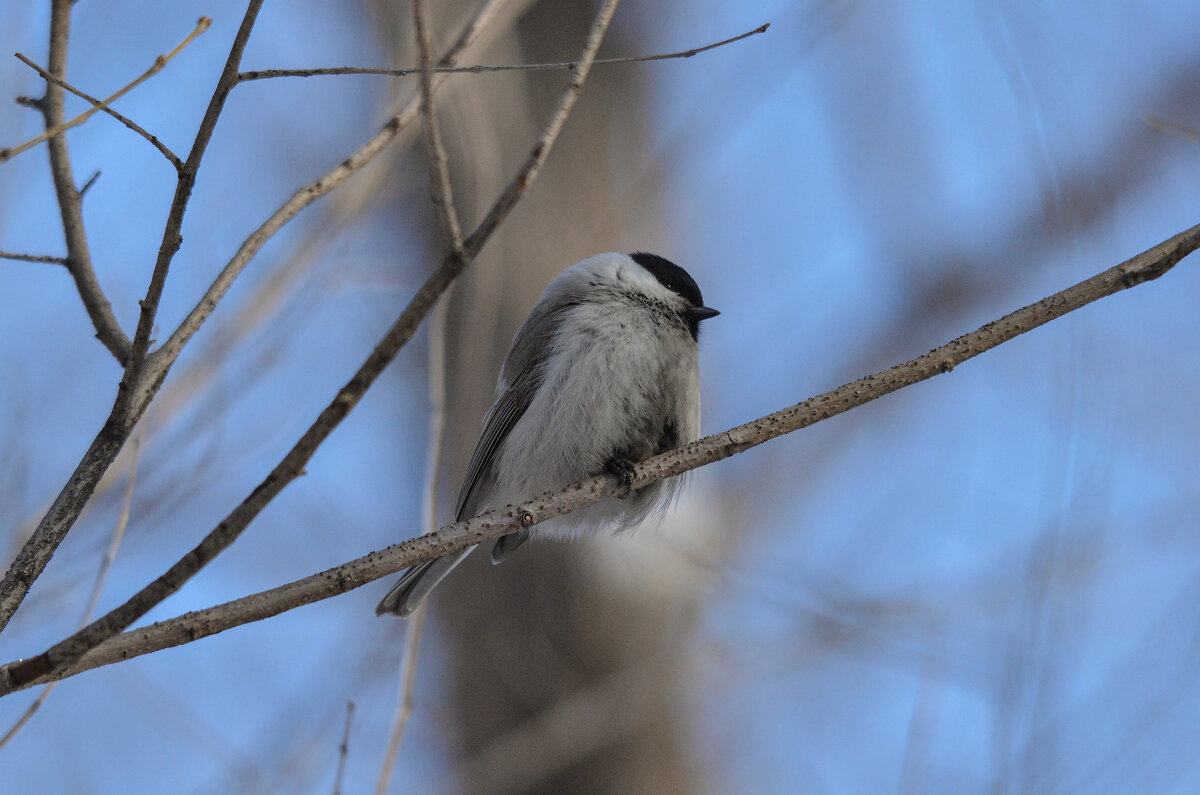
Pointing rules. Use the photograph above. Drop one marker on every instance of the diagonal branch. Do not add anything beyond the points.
(292, 465)
(31, 560)
(1144, 267)
(106, 564)
(98, 104)
(162, 359)
(264, 74)
(60, 127)
(172, 239)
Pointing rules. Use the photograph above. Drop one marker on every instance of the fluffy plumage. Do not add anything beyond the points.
(602, 374)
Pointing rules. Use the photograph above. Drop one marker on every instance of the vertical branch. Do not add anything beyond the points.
(433, 465)
(70, 200)
(343, 751)
(439, 170)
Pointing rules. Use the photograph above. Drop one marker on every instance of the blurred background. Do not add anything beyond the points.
(989, 582)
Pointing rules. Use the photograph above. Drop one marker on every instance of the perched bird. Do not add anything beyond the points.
(602, 374)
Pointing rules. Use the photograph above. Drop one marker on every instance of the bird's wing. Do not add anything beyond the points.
(521, 377)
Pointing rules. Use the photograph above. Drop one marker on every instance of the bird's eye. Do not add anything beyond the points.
(669, 285)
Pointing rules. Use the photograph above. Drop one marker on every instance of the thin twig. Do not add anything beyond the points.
(70, 200)
(100, 105)
(189, 627)
(541, 150)
(31, 560)
(124, 407)
(343, 751)
(1172, 128)
(265, 74)
(165, 356)
(159, 62)
(34, 258)
(433, 466)
(292, 465)
(439, 171)
(106, 564)
(404, 700)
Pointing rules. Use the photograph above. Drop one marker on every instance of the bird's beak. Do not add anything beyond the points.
(702, 313)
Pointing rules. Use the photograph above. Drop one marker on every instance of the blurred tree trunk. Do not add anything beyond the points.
(566, 677)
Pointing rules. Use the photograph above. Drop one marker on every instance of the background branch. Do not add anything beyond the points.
(1144, 267)
(264, 74)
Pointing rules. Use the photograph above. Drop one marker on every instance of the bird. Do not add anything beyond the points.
(603, 374)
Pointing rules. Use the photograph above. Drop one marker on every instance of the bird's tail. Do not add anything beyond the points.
(416, 584)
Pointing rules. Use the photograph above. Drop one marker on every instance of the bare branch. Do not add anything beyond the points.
(404, 706)
(31, 560)
(264, 74)
(172, 240)
(439, 171)
(433, 466)
(165, 356)
(62, 126)
(34, 258)
(1172, 128)
(343, 750)
(292, 465)
(1144, 267)
(100, 105)
(70, 205)
(541, 150)
(106, 563)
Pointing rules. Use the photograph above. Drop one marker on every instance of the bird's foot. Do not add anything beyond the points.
(622, 468)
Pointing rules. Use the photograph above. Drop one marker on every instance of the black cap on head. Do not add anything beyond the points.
(678, 280)
(670, 275)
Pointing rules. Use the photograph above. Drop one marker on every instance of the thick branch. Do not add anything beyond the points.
(493, 524)
(292, 465)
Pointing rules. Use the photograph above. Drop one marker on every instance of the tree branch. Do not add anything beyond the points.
(31, 560)
(62, 126)
(165, 356)
(70, 204)
(34, 258)
(98, 104)
(439, 171)
(292, 465)
(265, 74)
(1144, 267)
(106, 564)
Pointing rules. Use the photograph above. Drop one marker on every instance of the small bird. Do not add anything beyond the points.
(602, 374)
